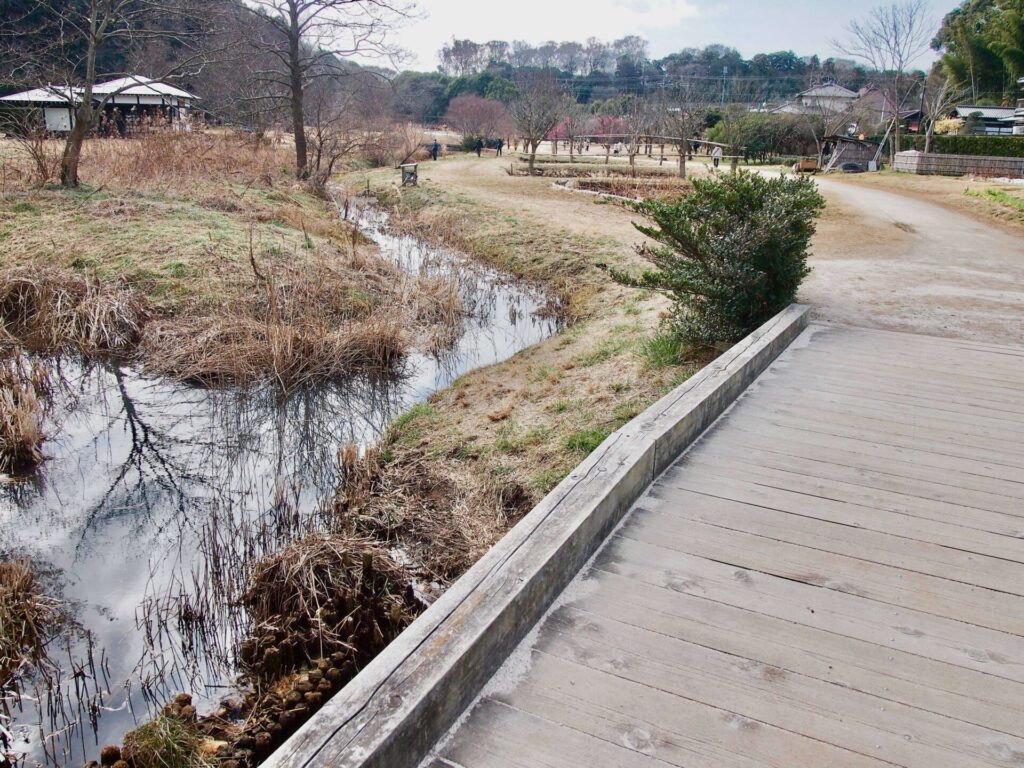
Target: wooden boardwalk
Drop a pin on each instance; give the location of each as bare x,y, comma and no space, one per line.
833,575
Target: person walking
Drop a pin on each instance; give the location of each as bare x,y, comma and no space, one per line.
434,149
479,147
501,143
716,155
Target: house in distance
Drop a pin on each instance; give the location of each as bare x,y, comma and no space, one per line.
124,103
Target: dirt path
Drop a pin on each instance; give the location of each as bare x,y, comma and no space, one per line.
885,260
881,259
533,198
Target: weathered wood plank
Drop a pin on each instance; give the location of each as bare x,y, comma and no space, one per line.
885,584
667,724
910,526
829,713
934,637
844,538
863,665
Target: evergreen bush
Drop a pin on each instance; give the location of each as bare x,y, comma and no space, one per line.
730,254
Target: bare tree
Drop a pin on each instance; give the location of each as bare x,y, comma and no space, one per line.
312,39
476,117
540,104
890,39
940,96
637,116
75,35
682,114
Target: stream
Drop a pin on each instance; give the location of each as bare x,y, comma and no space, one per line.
155,491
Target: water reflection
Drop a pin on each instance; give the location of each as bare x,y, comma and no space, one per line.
155,492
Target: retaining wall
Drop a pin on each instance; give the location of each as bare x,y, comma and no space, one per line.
958,165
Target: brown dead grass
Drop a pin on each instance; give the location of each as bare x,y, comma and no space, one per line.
27,617
201,256
24,403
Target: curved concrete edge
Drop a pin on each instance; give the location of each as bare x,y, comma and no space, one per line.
391,713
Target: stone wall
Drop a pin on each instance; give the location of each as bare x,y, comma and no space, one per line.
958,165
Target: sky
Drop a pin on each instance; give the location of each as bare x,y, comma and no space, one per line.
752,26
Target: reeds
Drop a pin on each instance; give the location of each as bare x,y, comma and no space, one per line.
24,402
27,617
50,309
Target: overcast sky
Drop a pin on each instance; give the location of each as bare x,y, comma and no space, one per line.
752,26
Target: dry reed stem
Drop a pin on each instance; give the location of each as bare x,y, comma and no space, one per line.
49,309
27,618
24,402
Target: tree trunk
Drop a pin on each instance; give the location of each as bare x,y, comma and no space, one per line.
607,153
73,144
296,95
533,154
682,162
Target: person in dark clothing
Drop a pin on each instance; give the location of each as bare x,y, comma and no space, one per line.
479,146
434,149
501,143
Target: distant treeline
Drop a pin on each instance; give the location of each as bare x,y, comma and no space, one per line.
596,71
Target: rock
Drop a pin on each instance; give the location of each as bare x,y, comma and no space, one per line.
110,754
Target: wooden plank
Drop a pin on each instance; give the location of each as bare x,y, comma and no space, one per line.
864,495
920,465
667,724
947,534
730,451
829,713
975,424
947,400
913,442
889,674
905,629
497,735
881,423
881,583
845,538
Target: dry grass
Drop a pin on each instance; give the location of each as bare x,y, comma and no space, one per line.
24,402
202,257
324,594
165,742
48,309
27,618
635,189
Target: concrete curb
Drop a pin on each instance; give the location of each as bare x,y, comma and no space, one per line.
391,713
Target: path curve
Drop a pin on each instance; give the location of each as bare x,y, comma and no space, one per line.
885,260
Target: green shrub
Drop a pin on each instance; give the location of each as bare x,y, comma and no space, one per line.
731,254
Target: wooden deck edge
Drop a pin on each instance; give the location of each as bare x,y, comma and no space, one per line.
391,713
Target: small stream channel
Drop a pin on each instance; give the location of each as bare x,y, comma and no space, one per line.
154,491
